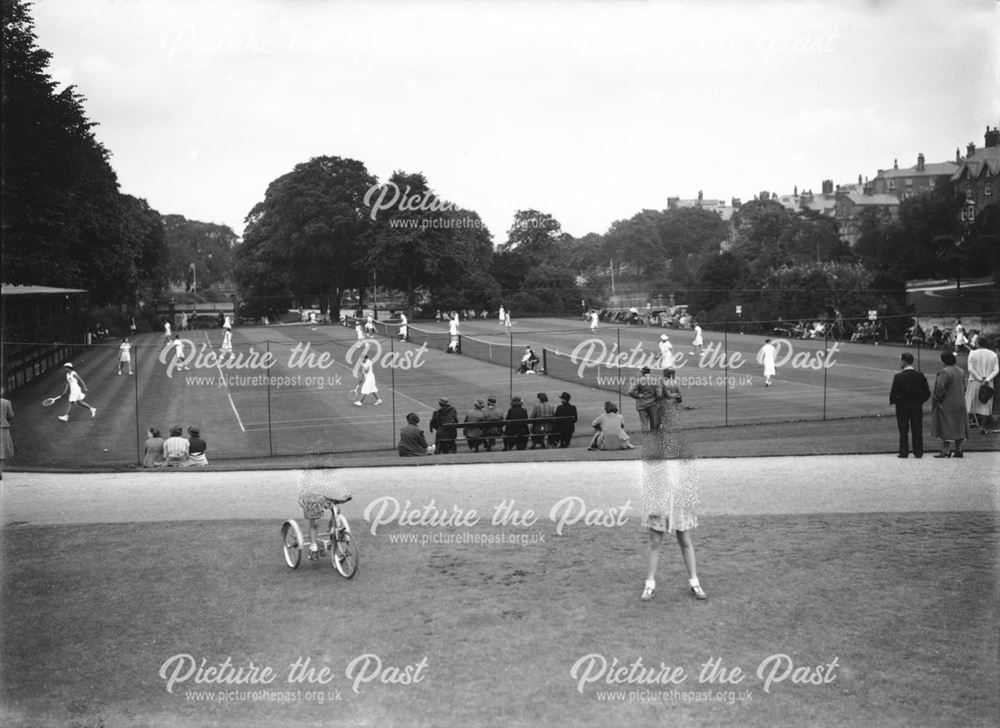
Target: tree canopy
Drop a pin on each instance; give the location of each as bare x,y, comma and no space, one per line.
65,223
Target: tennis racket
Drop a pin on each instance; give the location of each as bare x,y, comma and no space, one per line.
355,393
50,401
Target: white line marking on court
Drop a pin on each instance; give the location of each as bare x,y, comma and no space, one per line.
222,377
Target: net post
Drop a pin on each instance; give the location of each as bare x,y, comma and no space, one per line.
138,436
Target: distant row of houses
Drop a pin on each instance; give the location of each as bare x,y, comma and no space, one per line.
975,179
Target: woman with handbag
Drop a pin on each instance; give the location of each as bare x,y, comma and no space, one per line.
983,367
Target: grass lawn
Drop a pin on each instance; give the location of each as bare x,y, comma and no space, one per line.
492,632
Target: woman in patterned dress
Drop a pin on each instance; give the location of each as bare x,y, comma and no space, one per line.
669,489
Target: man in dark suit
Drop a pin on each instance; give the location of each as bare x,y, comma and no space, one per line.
909,392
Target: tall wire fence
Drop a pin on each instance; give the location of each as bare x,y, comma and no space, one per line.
291,390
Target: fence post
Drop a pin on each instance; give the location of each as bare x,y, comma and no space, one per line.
619,360
826,353
510,369
270,443
725,379
392,385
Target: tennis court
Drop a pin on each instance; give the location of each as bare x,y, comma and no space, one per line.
287,389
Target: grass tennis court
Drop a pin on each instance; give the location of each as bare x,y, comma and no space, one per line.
286,388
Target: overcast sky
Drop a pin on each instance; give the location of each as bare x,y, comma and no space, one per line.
589,111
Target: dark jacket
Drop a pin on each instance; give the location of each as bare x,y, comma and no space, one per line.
444,420
909,387
565,419
519,425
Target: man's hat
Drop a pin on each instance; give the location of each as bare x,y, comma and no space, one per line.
480,404
443,400
515,400
491,399
564,396
645,370
68,365
192,430
664,337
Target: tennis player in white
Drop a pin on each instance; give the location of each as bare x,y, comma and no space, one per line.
76,389
125,356
227,343
666,352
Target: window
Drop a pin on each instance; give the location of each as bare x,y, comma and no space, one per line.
909,181
988,190
932,182
892,184
968,191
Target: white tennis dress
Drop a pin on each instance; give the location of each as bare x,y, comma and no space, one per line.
368,386
765,357
75,391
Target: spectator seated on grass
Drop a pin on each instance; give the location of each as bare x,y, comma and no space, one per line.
176,448
411,439
153,449
610,431
196,447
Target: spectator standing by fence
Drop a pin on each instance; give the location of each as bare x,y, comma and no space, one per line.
983,370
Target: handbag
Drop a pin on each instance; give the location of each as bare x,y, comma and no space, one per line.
986,393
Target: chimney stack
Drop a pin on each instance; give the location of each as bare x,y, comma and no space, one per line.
827,186
895,164
958,156
992,137
920,162
971,149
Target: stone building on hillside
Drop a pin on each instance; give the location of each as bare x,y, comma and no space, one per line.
912,181
976,176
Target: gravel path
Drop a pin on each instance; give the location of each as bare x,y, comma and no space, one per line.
730,486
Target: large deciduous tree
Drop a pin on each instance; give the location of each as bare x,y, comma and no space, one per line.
305,238
423,243
208,245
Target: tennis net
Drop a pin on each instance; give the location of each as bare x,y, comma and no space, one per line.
495,352
579,370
